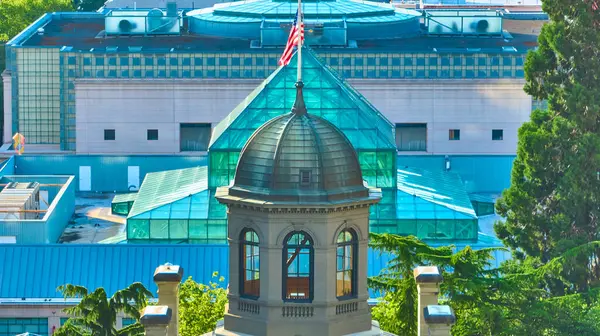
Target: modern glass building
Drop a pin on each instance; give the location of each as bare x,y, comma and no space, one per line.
359,40
179,205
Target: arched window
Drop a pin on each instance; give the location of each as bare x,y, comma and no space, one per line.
298,258
346,264
249,264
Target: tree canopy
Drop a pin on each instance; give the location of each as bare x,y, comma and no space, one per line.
16,15
201,306
96,313
510,300
553,203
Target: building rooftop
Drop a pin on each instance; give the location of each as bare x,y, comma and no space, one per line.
165,187
86,32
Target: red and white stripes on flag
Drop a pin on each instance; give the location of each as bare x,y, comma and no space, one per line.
296,35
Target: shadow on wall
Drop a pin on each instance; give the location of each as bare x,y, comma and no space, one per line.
99,173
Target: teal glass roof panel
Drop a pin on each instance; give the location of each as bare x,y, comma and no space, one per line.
481,198
162,188
400,15
230,19
271,9
326,96
442,188
123,198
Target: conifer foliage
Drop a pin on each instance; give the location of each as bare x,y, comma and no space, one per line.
553,203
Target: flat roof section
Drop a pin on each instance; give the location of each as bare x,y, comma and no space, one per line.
84,32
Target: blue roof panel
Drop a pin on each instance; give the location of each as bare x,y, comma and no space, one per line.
35,271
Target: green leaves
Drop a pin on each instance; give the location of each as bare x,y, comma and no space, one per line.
16,15
96,314
201,306
516,299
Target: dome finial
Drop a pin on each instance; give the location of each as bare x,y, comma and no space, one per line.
299,106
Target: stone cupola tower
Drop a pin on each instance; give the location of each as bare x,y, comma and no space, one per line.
298,213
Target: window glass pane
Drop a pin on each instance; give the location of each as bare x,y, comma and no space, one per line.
411,137
250,264
194,137
152,134
109,134
454,134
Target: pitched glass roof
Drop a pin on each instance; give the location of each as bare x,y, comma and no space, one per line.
166,187
326,96
444,190
122,198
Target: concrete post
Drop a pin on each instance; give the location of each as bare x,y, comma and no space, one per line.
7,87
439,319
428,280
168,277
155,320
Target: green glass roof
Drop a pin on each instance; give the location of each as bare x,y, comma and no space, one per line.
443,189
326,96
166,187
122,198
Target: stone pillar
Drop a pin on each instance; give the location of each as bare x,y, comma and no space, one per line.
168,277
7,80
428,280
156,320
439,319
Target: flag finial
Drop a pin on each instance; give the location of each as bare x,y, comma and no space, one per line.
299,107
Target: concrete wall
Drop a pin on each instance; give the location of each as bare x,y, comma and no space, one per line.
7,106
48,229
475,107
133,106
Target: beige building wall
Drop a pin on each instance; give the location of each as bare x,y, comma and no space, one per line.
269,314
129,106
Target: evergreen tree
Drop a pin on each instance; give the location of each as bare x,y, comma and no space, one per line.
510,300
553,203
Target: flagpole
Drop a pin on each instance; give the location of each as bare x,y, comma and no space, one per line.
300,23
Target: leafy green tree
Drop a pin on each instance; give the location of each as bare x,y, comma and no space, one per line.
16,15
511,300
200,306
96,314
553,202
88,5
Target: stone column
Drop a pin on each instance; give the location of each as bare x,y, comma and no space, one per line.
7,87
168,277
428,280
439,319
156,320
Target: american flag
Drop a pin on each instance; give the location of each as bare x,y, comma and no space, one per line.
296,33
